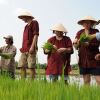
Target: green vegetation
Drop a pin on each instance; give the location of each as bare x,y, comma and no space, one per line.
41,90
84,38
38,89
43,66
48,46
75,67
6,55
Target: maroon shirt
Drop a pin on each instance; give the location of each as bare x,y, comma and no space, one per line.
87,53
28,35
56,60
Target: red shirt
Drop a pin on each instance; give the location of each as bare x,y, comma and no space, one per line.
56,60
87,53
28,35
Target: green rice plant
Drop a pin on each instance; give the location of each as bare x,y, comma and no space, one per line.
84,38
63,68
62,77
48,46
39,90
38,67
90,91
6,55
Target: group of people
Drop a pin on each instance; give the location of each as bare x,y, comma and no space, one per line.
58,59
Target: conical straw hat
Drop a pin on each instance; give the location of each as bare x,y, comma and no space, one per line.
87,18
59,27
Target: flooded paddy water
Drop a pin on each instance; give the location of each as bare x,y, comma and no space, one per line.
77,79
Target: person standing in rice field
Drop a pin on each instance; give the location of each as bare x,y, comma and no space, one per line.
29,45
87,51
59,57
7,65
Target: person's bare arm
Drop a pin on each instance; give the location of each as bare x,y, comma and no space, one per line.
76,43
64,50
97,57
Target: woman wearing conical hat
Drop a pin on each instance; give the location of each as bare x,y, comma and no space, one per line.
60,57
87,50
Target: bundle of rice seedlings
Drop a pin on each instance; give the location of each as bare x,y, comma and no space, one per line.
84,38
48,46
5,55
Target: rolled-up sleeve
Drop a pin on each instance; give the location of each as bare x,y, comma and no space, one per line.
36,28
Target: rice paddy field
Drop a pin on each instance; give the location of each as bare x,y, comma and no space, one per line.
28,89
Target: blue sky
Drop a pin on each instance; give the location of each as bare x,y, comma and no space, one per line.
48,13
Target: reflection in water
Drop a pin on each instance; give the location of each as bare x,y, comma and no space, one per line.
72,79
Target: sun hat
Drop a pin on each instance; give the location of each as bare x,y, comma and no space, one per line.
87,18
9,37
25,13
59,27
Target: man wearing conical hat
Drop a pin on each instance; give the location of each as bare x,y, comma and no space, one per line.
58,60
87,50
29,45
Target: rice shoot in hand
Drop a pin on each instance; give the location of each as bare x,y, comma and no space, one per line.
84,38
48,46
5,55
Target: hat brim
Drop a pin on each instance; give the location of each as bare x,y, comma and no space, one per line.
59,31
5,38
23,16
82,21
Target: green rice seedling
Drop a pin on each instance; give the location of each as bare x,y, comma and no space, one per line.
84,38
39,90
63,68
6,55
38,67
48,46
62,77
89,92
